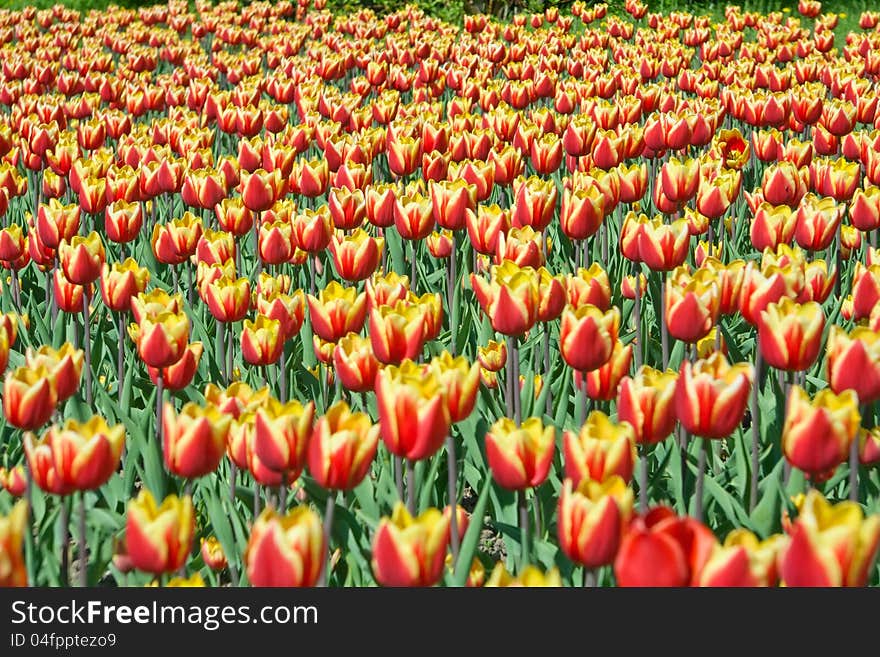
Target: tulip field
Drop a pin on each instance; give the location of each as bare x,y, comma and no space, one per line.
579,298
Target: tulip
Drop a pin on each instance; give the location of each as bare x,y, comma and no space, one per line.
460,380
818,284
161,340
57,222
275,242
763,286
342,447
413,413
864,209
661,246
12,243
212,554
337,311
356,255
410,551
215,247
195,439
831,545
76,456
582,212
451,201
551,296
645,401
589,286
63,366
534,203
485,226
531,576
679,179
158,538
853,362
123,221
817,435
784,184
865,289
82,258
354,363
601,449
661,549
397,332
744,560
587,336
602,383
691,310
151,304
520,457
592,520
818,220
413,216
772,226
174,242
281,435
228,298
179,375
122,281
29,397
14,481
285,550
711,395
440,245
510,298
790,334
13,569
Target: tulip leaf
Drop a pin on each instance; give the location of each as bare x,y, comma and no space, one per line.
766,514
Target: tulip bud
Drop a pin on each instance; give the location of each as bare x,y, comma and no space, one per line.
853,362
212,554
13,569
63,366
510,298
744,560
285,550
531,576
158,539
410,551
592,520
711,396
337,311
282,433
601,449
194,439
587,336
790,334
29,397
161,340
342,447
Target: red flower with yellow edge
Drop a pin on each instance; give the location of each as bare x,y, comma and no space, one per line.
510,298
765,285
82,258
732,148
451,201
852,362
534,202
355,363
587,336
161,340
831,545
356,255
151,304
179,375
485,226
286,550
772,225
818,220
347,207
715,194
551,295
818,284
337,311
645,401
235,399
836,178
589,286
342,447
711,395
123,221
864,209
582,212
461,381
602,383
260,189
546,153
288,309
662,549
262,341
413,216
784,184
174,242
13,569
381,199
57,222
386,289
600,449
275,242
63,366
212,554
493,356
522,246
233,216
194,439
818,433
680,179
121,281
203,188
744,560
281,435
413,412
14,480
158,538
215,247
592,519
397,332
440,244
29,397
228,298
410,551
790,334
312,230
865,290
76,456
691,308
662,246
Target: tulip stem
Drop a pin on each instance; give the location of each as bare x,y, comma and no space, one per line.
637,312
410,487
50,294
524,529
854,463
229,339
664,331
450,293
65,540
328,532
83,555
756,428
701,475
257,491
398,476
414,269
120,358
159,394
589,578
312,281
451,486
548,407
282,493
87,347
643,478
514,387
